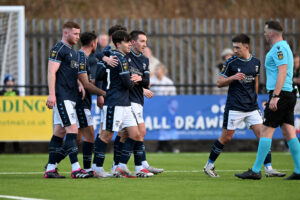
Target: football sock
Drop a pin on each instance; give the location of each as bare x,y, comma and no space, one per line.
116,147
138,153
263,149
145,164
119,152
127,150
50,167
144,153
268,160
54,146
138,167
215,151
87,151
294,147
99,155
75,166
71,147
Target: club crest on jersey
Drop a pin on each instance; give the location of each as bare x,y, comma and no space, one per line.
144,66
129,60
53,53
280,55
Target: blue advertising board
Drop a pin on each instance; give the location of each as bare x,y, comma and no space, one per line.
188,117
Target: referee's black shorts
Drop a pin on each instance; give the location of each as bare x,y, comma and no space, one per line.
284,112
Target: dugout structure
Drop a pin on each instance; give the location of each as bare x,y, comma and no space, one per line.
12,44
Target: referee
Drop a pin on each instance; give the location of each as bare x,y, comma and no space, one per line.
279,110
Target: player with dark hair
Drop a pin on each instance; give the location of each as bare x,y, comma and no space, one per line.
241,73
138,67
279,110
83,109
63,94
117,109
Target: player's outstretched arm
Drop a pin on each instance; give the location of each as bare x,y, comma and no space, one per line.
89,86
52,69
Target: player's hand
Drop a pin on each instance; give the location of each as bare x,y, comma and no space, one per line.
51,101
273,103
100,102
148,93
239,76
81,90
112,61
135,78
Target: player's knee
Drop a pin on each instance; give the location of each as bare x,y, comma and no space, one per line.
143,133
225,139
123,138
106,136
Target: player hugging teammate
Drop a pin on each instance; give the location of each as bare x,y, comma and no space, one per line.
123,73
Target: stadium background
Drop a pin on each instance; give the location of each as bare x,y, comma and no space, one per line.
44,20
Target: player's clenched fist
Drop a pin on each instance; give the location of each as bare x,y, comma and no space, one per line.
239,76
51,101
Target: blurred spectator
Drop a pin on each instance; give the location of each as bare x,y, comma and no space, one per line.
296,75
226,54
103,41
160,78
153,61
8,90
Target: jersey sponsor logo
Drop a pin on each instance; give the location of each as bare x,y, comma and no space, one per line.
74,64
53,54
280,55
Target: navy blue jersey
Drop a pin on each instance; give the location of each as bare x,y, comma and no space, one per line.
138,64
107,51
242,94
116,81
66,86
84,67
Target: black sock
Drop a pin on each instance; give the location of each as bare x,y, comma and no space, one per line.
119,152
87,151
71,147
138,153
127,150
99,155
116,147
54,147
215,151
144,153
268,158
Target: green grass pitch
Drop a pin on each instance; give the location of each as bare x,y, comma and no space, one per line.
22,175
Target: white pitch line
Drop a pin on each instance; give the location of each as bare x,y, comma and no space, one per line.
168,171
18,198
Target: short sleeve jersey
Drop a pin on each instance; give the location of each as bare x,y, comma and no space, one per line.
66,86
84,67
116,93
241,94
279,54
138,64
